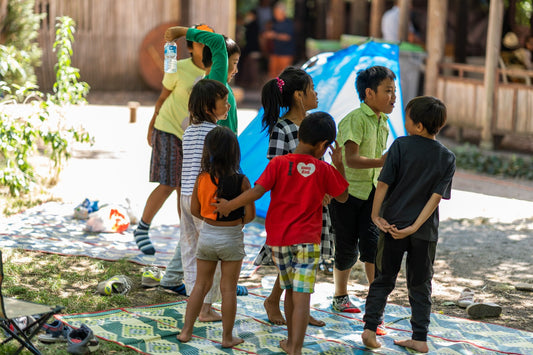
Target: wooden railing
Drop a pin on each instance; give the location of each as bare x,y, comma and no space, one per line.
461,87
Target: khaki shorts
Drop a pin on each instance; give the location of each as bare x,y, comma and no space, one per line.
221,243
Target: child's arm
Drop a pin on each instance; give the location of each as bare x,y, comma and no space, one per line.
356,161
426,212
224,207
173,33
336,160
379,196
162,97
195,203
249,209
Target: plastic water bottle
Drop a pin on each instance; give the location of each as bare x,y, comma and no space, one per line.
171,57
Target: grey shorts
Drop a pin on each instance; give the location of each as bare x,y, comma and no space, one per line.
221,243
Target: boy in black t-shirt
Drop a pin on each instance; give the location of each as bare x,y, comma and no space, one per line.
417,174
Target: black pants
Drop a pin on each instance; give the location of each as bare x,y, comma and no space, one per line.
420,258
355,233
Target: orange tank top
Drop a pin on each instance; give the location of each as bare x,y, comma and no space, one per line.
207,193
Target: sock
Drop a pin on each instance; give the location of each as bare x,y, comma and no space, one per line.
142,239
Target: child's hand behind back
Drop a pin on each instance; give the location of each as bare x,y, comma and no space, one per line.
221,207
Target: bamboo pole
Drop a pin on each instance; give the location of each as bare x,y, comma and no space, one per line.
491,66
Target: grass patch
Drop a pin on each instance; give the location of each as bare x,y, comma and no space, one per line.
71,281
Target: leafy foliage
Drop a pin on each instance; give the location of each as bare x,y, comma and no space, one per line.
41,125
19,49
470,157
67,88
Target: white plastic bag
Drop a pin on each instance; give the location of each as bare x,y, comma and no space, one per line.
110,219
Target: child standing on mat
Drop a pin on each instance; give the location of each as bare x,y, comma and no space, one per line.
363,134
293,91
165,132
221,237
208,104
222,67
223,53
417,174
298,182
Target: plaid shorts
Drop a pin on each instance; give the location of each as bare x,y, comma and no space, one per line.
297,265
167,155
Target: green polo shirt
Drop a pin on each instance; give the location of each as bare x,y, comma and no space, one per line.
364,128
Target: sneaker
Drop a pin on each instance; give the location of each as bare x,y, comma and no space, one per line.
82,341
381,330
482,310
177,290
343,304
466,298
151,276
55,332
117,284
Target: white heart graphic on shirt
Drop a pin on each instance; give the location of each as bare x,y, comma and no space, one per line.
306,169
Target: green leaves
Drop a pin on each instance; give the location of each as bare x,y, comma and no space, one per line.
40,126
470,157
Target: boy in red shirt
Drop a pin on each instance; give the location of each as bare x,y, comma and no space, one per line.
298,183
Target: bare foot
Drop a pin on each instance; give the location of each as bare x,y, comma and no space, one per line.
369,339
183,337
316,322
210,316
273,312
234,341
284,346
417,345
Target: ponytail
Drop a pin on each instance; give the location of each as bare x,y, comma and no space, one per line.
271,100
279,93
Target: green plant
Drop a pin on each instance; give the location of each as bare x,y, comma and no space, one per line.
470,157
67,88
19,50
42,125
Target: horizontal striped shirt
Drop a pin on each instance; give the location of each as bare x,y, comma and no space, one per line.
193,146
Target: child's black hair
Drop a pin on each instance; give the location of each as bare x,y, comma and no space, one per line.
371,78
231,46
203,99
429,111
279,92
221,156
317,127
200,26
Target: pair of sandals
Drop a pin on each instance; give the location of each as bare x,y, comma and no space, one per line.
477,310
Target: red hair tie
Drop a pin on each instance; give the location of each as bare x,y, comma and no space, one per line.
280,83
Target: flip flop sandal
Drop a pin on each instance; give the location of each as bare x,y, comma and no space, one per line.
466,298
482,310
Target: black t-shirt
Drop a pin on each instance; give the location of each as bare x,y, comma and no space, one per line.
229,188
415,168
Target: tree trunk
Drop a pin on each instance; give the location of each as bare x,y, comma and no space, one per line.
376,12
435,43
403,23
491,66
358,24
335,20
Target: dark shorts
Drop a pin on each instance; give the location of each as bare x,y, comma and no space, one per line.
167,156
355,233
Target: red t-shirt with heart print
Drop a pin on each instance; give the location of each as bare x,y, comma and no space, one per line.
297,185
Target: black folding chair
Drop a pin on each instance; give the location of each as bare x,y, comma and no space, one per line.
12,308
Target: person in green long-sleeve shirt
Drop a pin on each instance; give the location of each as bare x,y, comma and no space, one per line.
222,54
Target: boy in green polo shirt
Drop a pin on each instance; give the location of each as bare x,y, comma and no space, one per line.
363,133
